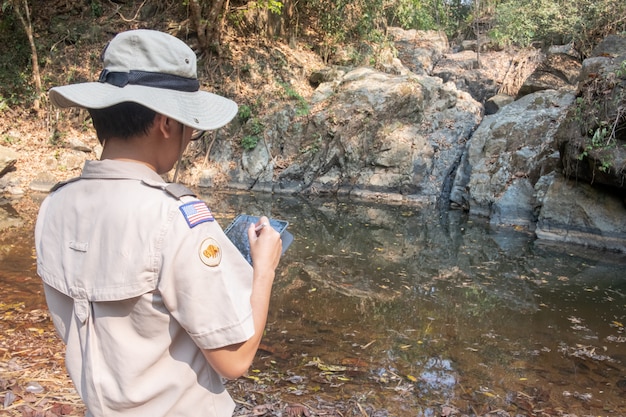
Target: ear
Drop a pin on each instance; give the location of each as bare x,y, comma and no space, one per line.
165,126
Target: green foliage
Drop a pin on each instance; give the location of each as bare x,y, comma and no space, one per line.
521,22
244,113
15,60
249,142
15,76
253,132
313,147
302,108
96,8
583,22
621,71
3,104
600,111
353,21
426,15
252,126
274,6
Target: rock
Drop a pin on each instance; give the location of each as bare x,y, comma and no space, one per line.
556,71
563,49
611,45
326,75
258,164
14,190
578,213
44,181
419,50
463,70
9,219
507,155
377,134
495,103
8,158
78,145
72,160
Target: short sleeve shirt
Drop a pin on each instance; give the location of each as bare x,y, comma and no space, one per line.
138,281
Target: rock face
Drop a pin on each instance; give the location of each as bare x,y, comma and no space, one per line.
557,71
578,213
419,50
508,155
369,134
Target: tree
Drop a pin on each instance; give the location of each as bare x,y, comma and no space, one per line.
209,29
582,22
22,11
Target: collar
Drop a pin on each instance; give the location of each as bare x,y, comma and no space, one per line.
112,169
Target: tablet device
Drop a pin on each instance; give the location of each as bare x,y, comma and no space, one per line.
237,232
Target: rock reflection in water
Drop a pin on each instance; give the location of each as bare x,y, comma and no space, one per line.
448,309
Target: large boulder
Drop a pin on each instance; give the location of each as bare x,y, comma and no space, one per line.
481,80
508,155
578,213
419,50
382,135
556,71
368,134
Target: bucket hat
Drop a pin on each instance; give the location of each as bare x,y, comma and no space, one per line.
156,70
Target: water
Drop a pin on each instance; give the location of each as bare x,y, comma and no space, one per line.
419,313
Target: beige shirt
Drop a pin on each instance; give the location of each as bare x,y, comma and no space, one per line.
135,289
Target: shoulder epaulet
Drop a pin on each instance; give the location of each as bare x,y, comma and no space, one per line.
62,183
194,211
176,190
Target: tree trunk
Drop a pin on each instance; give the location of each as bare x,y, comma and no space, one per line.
209,32
477,17
195,9
213,25
28,28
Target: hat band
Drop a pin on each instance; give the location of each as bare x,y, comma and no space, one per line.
149,79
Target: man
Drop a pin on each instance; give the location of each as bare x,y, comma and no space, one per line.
153,301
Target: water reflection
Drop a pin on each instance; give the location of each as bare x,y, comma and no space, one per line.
422,309
458,311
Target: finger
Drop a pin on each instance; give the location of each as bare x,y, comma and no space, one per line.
252,233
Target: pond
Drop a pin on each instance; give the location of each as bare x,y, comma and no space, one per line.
405,311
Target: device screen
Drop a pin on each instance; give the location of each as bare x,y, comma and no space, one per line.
237,232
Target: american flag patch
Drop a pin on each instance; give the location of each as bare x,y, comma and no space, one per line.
196,212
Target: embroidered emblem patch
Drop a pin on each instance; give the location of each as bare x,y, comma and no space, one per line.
196,212
210,252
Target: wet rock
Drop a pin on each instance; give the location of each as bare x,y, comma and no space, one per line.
577,213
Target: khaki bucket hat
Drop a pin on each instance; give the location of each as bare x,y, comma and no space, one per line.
156,70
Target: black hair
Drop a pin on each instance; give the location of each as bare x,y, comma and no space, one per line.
123,120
